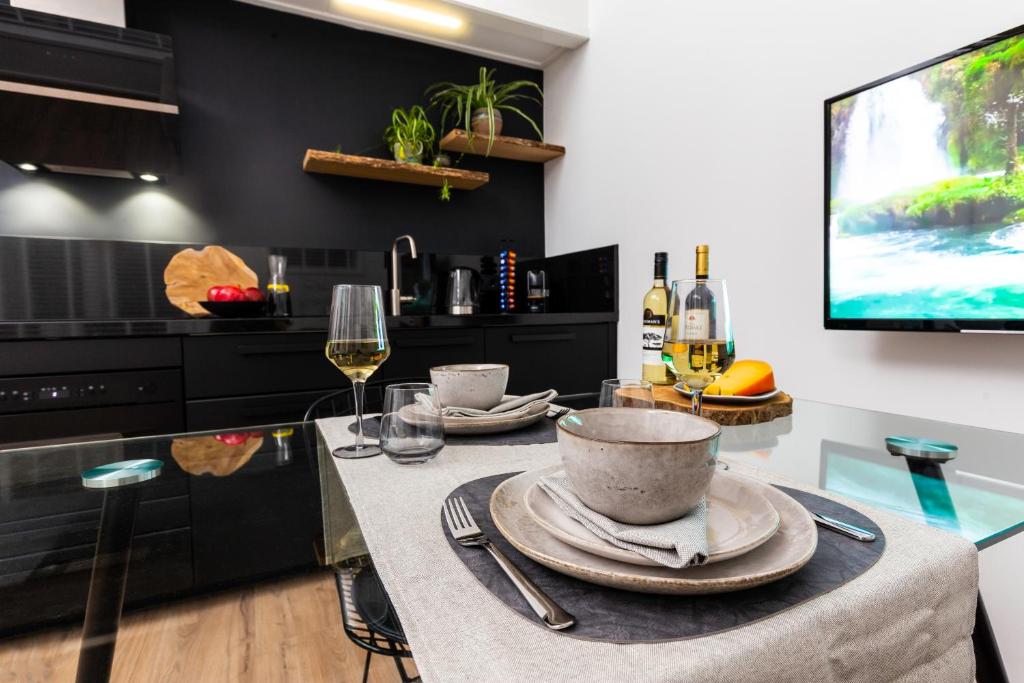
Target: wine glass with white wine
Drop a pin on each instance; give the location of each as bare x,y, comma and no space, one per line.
698,338
357,344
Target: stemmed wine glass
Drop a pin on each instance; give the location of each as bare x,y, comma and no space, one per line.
698,344
357,343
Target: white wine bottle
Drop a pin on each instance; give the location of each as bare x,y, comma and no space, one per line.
699,322
655,308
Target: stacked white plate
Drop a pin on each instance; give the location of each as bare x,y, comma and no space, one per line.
757,534
482,424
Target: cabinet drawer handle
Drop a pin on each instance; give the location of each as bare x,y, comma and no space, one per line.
444,341
526,338
275,349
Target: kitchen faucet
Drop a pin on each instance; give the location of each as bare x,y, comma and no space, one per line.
395,293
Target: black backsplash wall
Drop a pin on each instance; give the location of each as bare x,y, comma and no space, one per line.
258,87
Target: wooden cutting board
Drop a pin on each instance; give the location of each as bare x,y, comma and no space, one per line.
780,405
190,273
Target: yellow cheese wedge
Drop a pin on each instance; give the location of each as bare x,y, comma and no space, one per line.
744,378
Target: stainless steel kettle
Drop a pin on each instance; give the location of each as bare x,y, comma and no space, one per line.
463,292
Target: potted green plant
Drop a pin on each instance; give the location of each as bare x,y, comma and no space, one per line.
478,106
409,134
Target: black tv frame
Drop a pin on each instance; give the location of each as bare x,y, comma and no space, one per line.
904,324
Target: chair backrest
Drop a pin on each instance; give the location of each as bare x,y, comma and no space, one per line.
340,402
579,401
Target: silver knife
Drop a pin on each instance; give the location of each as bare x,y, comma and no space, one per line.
843,528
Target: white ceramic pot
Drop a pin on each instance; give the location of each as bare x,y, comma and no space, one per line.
470,385
638,465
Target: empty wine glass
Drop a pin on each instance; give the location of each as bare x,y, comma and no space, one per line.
626,393
698,344
411,428
357,344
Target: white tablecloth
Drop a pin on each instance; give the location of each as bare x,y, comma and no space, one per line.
908,618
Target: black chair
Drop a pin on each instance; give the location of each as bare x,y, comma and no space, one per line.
579,401
340,402
367,615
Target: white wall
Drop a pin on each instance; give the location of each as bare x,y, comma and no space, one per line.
689,122
702,122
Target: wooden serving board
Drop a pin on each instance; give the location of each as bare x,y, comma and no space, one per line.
190,273
780,405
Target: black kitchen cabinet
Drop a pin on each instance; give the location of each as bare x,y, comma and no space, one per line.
48,530
291,374
264,521
160,567
245,411
569,358
199,531
261,364
51,356
252,364
414,352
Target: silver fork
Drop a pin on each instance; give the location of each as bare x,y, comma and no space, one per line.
467,533
557,411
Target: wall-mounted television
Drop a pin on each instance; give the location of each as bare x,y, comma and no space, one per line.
924,195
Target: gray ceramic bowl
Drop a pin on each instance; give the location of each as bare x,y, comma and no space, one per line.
470,385
638,465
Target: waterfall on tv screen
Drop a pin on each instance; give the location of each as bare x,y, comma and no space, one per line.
894,142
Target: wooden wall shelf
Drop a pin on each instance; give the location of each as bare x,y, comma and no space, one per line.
319,161
519,149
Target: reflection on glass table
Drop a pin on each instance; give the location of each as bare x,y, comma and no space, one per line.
976,507
227,507
979,495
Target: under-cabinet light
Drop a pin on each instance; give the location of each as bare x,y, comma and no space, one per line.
405,11
149,177
28,167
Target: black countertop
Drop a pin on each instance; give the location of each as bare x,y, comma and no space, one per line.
69,329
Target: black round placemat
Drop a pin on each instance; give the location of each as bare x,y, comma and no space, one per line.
608,614
541,431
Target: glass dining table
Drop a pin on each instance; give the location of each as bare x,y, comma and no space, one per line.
91,530
978,495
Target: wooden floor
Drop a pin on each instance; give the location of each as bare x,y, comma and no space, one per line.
288,630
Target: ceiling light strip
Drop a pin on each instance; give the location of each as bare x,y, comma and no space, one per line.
404,11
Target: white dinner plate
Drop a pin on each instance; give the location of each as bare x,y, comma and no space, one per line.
789,549
718,398
740,518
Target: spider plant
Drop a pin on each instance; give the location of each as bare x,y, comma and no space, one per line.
462,101
409,134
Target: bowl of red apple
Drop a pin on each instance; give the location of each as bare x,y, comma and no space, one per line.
232,301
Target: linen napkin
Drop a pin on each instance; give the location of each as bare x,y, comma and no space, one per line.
679,543
511,407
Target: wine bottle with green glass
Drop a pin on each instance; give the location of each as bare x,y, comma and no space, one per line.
699,345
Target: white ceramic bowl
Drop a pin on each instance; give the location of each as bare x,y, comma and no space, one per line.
470,385
638,465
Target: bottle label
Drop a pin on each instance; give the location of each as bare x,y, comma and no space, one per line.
654,337
697,324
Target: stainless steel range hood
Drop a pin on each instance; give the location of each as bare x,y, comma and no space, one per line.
82,97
